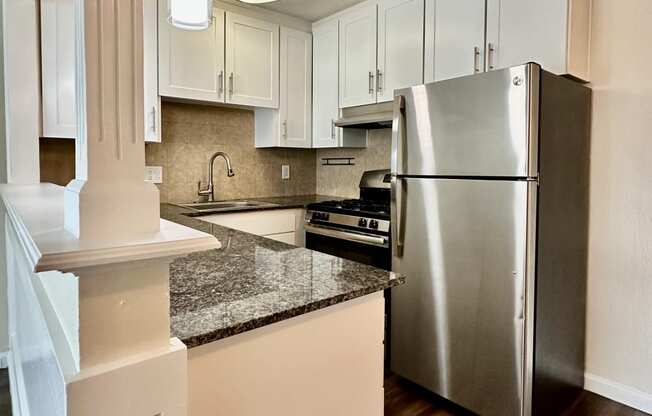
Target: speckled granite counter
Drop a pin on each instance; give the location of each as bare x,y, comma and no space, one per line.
254,281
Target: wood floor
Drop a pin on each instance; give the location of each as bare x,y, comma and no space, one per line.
403,398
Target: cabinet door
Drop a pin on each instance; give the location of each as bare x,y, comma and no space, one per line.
325,67
358,57
252,61
295,109
58,68
455,38
400,46
520,31
152,100
191,63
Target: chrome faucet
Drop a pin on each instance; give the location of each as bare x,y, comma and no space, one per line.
209,191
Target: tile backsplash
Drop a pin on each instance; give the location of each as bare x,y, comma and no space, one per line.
192,133
344,180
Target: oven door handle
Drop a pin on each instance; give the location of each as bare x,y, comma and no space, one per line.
344,235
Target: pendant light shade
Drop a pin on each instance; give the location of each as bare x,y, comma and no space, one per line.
190,14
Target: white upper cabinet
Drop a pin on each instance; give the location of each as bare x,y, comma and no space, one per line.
152,100
455,38
400,46
252,61
552,33
295,109
191,63
58,68
358,56
325,105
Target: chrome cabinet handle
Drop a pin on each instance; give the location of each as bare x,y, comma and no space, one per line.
491,48
231,88
397,187
333,129
476,59
220,82
154,119
371,82
285,129
379,81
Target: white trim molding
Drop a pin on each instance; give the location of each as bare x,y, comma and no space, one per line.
619,392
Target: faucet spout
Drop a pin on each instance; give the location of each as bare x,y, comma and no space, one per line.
209,191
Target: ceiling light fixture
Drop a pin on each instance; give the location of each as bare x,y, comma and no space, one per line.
190,14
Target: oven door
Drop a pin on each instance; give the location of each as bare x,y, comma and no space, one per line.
364,248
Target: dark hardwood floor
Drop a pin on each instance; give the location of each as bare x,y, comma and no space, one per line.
5,397
403,398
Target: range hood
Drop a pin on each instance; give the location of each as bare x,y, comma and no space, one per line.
367,117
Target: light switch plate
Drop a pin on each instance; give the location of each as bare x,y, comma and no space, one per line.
154,174
285,172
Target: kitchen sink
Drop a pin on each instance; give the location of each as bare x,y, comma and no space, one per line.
204,207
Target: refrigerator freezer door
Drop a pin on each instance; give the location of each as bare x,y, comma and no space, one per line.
484,125
457,325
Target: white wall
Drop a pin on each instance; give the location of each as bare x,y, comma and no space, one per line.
619,332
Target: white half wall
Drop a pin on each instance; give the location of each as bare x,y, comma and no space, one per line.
619,319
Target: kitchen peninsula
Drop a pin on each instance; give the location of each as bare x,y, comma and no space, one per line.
276,329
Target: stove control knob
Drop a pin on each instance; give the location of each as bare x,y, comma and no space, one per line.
362,222
325,216
373,224
315,215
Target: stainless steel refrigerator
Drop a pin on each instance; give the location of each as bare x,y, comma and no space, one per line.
489,223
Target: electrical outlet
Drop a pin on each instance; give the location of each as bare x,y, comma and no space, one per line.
154,174
285,172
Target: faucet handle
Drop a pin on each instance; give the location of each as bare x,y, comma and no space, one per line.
202,192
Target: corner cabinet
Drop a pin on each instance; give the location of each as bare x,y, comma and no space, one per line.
58,68
381,49
325,84
291,124
58,72
479,36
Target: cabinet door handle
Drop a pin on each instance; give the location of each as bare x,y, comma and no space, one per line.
476,59
371,82
285,129
231,84
220,82
154,119
491,48
333,129
379,81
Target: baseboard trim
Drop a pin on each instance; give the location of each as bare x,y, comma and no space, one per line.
19,405
621,393
4,359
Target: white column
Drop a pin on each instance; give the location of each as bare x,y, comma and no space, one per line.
109,198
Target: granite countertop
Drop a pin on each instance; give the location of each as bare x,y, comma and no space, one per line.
253,281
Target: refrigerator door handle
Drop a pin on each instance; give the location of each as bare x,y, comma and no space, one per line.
397,199
398,135
397,215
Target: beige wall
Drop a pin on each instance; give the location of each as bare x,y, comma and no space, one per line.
343,180
191,133
619,333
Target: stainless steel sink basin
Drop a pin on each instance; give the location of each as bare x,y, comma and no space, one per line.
203,207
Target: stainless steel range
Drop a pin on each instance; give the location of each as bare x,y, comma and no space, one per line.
355,229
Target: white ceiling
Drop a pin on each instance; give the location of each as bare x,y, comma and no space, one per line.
310,10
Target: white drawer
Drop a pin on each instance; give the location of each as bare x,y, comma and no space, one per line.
264,222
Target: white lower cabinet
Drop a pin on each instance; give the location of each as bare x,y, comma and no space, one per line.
291,124
277,224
